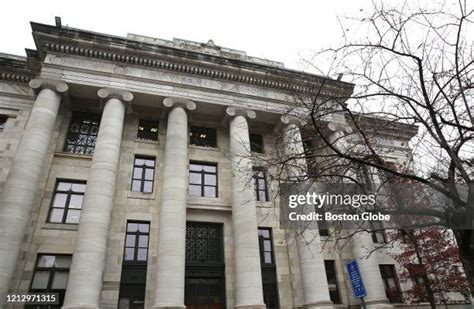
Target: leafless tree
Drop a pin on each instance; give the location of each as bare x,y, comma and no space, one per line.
412,70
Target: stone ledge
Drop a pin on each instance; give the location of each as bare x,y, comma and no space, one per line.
60,226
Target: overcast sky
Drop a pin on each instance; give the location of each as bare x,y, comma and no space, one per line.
276,30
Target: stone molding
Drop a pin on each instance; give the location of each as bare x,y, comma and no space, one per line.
179,102
14,77
56,85
283,84
236,111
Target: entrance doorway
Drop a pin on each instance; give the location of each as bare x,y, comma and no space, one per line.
205,277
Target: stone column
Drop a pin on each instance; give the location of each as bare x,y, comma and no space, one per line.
248,276
23,180
313,272
85,277
362,244
169,291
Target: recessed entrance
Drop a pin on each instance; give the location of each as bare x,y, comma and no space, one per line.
205,277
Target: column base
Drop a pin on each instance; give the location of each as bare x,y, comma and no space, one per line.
250,306
80,306
378,303
319,305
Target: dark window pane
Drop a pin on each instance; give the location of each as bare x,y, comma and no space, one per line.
63,261
205,137
60,280
82,133
41,279
148,130
3,120
256,142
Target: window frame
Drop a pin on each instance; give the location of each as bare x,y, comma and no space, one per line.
256,177
259,146
136,246
52,272
203,174
398,298
377,231
66,207
201,130
148,135
333,271
142,178
79,116
268,270
3,121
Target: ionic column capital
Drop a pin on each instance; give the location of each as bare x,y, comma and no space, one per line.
109,93
290,119
338,127
244,112
186,104
54,84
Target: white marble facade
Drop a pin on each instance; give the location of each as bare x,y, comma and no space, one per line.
178,83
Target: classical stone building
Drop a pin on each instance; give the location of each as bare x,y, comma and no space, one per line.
123,179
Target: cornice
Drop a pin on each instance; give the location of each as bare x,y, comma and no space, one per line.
185,68
65,40
14,69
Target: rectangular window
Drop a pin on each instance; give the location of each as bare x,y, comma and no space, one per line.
51,275
67,201
205,137
134,267
260,179
3,120
390,280
256,143
147,130
417,275
331,274
268,267
136,243
143,174
82,133
203,179
378,233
